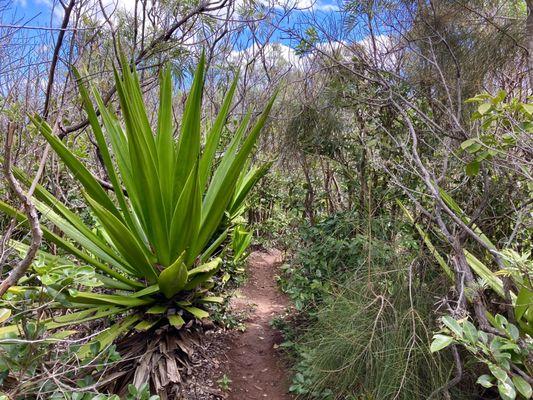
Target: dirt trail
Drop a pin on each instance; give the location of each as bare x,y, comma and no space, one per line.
254,366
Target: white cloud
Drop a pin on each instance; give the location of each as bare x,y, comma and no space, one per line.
383,49
302,5
297,5
270,55
327,7
127,6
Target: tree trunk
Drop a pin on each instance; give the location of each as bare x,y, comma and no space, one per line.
529,42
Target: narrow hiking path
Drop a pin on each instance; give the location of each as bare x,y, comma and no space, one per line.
254,366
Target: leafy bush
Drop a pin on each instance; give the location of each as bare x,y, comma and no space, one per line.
505,355
328,251
371,340
143,393
21,366
362,332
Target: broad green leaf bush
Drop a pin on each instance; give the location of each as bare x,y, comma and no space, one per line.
503,123
24,358
519,269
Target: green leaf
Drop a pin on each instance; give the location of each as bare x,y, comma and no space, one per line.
125,242
486,274
213,138
115,299
165,141
186,219
506,390
102,145
61,335
207,267
120,147
513,332
107,337
528,108
69,319
484,108
176,321
197,312
81,173
472,168
145,325
147,291
80,317
498,372
199,275
522,386
211,299
224,167
427,241
453,325
247,184
470,332
5,313
241,241
144,179
440,342
450,202
157,309
81,234
524,300
65,245
213,246
485,381
111,283
467,143
173,279
222,185
189,141
474,148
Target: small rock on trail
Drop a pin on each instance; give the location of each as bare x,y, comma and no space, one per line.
254,366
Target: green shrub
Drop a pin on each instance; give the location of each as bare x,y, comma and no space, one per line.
328,251
370,341
366,321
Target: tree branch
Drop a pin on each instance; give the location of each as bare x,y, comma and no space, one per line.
55,58
31,213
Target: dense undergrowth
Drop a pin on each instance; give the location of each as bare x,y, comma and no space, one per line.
365,318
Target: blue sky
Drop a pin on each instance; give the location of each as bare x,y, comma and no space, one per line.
46,13
32,12
40,11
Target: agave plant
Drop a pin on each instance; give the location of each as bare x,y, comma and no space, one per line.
170,209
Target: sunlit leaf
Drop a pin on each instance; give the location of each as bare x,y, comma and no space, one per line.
440,342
